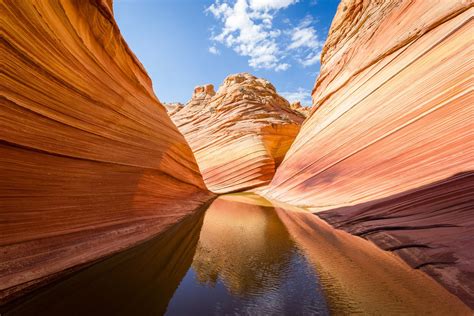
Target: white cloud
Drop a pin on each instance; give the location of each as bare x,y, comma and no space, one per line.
303,37
271,4
214,50
305,40
282,67
302,95
311,59
247,28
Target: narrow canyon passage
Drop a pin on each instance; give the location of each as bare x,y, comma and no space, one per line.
245,255
115,202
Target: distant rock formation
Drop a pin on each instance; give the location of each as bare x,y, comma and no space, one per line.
174,107
240,134
90,162
392,117
298,107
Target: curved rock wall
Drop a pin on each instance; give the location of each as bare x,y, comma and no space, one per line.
240,134
388,150
89,160
392,106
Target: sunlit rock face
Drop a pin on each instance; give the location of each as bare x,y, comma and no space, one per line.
90,162
172,108
240,134
389,143
392,105
299,108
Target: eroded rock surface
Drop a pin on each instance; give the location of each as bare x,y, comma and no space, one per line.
432,228
393,109
240,134
302,109
90,162
172,108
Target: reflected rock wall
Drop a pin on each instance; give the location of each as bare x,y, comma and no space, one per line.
431,228
138,281
238,240
359,278
240,134
90,162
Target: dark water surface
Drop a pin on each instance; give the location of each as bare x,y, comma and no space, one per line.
244,256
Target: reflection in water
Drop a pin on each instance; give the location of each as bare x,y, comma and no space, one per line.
359,278
249,257
246,263
139,281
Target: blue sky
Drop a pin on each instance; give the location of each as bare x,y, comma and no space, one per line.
185,43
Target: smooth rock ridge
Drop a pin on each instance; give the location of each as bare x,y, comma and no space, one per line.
240,134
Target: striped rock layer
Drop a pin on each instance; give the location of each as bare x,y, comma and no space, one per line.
240,134
391,130
90,162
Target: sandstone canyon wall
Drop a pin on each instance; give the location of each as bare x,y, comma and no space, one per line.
389,145
90,162
240,134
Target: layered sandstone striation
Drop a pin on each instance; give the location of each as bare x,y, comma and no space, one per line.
90,162
391,120
240,134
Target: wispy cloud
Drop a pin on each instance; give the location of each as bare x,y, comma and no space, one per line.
213,50
305,41
248,28
301,94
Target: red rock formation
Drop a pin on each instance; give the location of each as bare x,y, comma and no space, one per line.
392,109
302,109
392,113
173,108
240,134
90,162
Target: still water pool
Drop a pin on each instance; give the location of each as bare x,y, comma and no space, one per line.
245,256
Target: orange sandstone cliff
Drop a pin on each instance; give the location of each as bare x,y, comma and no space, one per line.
90,162
388,148
240,134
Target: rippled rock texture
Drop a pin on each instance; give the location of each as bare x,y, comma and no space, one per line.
432,228
392,117
240,134
90,162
